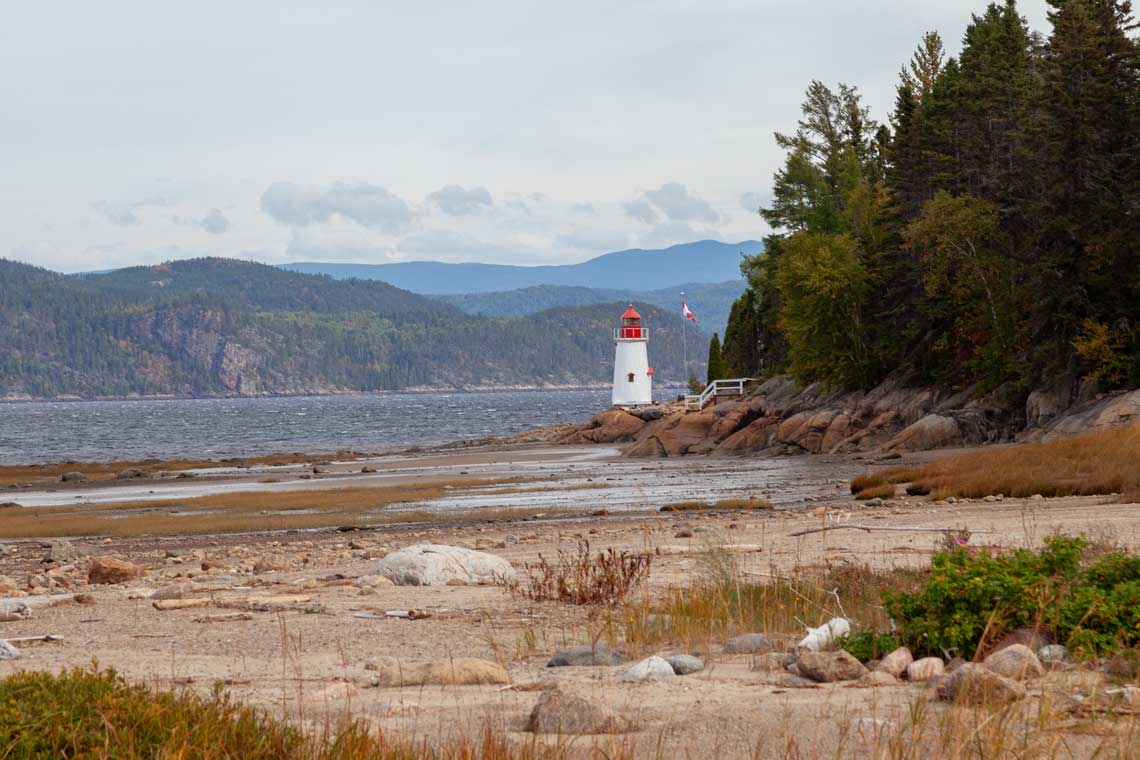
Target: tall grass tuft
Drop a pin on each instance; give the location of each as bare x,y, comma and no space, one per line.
581,577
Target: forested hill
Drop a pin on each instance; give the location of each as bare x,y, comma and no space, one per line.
985,234
219,326
709,301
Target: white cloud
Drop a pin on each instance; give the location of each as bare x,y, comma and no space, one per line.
457,201
752,202
214,222
641,210
676,202
368,205
124,214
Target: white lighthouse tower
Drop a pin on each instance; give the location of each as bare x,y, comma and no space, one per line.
633,377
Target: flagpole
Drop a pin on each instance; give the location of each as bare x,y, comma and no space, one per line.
684,347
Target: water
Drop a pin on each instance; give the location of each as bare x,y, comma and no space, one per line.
55,431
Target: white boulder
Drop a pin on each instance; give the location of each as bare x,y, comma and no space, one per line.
436,564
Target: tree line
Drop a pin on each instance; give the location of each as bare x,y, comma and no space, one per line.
987,235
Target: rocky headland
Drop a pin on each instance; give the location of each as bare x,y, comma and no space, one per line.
776,417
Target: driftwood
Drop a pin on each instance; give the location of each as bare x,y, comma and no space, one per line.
46,639
181,604
869,528
226,618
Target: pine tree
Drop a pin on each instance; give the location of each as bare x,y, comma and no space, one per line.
716,366
741,342
925,66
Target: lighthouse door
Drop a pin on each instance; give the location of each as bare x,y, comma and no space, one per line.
630,376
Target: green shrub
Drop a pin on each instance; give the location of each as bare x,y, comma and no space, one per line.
969,596
867,645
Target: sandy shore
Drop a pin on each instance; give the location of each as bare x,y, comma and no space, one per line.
297,659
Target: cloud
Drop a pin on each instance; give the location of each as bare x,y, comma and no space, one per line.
675,201
450,245
640,210
124,214
595,241
457,201
751,202
586,209
214,222
368,205
325,244
674,233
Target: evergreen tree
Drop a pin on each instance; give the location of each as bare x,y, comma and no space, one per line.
717,370
741,342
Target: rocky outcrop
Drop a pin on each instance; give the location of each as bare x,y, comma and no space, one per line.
895,416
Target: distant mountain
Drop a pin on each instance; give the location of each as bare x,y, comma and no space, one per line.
710,302
224,327
635,269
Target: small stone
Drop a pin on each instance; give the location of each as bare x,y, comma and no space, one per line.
683,533
599,654
875,502
62,551
511,538
685,664
366,469
828,667
975,684
925,669
748,643
73,477
173,591
1016,661
896,662
650,669
130,473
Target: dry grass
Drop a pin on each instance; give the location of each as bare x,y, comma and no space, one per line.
884,491
50,473
1102,462
585,578
723,602
721,505
241,511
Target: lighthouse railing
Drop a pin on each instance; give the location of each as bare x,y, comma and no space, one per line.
642,333
732,387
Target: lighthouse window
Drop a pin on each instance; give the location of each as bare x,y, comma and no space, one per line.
630,376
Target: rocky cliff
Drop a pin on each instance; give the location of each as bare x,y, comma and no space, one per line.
778,418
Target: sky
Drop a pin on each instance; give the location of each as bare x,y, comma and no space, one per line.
376,131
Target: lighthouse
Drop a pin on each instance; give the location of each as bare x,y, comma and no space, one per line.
633,377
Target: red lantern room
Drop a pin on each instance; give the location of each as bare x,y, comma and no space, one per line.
631,324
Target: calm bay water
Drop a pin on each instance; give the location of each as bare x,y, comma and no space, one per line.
54,431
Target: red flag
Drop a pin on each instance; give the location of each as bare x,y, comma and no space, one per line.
685,310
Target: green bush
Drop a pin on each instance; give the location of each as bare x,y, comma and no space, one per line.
1092,608
867,645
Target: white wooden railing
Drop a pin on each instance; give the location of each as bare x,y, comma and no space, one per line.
733,387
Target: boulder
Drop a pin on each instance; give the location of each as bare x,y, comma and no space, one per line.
748,643
875,679
436,564
933,431
611,426
586,656
112,570
62,551
1016,661
896,662
925,669
558,712
827,667
650,669
685,664
824,636
12,610
457,671
73,477
131,473
974,684
1125,664
1052,655
772,662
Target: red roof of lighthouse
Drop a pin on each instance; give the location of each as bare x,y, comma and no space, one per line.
631,313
